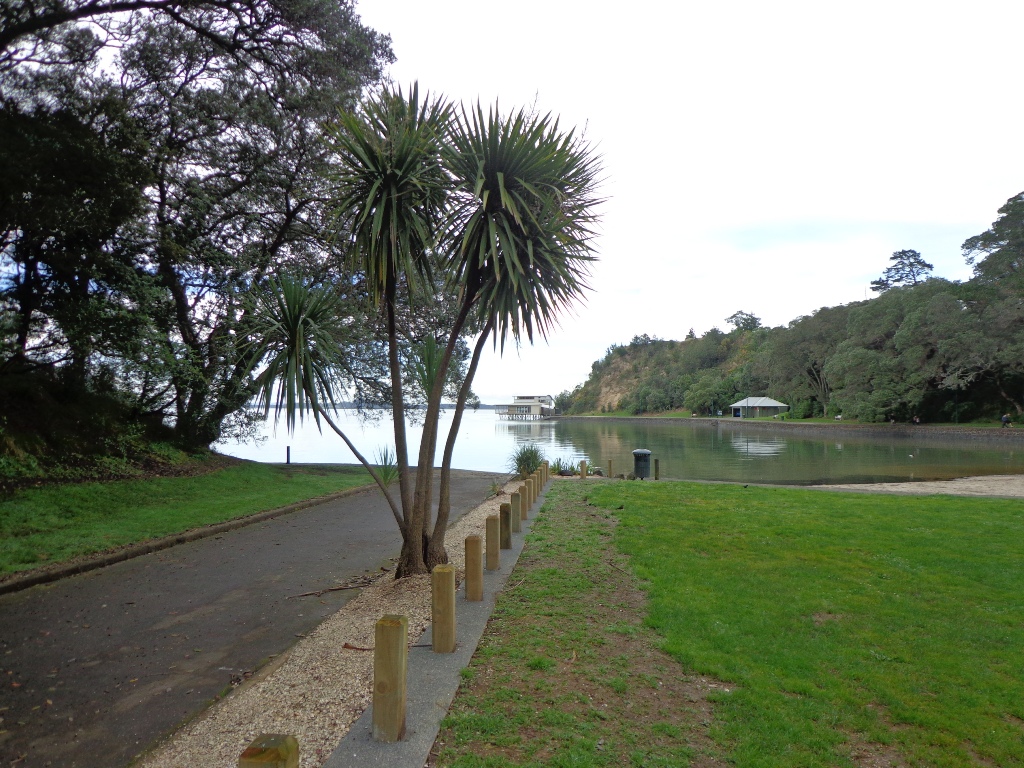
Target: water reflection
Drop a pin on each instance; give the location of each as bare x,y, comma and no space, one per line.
752,446
683,450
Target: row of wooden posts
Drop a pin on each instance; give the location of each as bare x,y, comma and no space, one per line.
391,643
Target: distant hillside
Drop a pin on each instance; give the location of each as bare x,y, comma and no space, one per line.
938,350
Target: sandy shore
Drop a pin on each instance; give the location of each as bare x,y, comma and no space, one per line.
987,485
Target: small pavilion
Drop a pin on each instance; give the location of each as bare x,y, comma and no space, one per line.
755,407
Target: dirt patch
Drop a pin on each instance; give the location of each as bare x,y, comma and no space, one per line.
822,618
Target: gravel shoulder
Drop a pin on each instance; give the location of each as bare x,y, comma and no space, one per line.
323,684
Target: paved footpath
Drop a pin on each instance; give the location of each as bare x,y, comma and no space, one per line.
96,667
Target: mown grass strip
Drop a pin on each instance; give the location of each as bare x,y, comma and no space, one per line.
566,674
848,625
53,524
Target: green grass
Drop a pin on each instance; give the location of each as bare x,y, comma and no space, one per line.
828,629
566,674
51,524
838,620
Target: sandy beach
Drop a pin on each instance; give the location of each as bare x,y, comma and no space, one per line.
988,485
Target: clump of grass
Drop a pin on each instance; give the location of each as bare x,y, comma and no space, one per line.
386,466
525,460
558,466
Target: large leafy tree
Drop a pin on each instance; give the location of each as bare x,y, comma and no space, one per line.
996,295
906,268
72,182
228,105
795,358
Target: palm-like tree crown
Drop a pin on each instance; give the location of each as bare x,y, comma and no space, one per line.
297,328
523,219
391,185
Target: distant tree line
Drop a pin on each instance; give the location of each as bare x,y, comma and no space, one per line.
927,347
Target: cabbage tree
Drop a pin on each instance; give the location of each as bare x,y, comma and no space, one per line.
520,238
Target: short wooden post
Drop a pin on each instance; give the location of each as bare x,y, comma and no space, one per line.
505,510
516,516
474,568
493,543
583,470
610,468
442,608
287,454
524,501
530,495
271,750
390,667
657,469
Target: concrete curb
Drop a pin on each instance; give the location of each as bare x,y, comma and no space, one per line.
103,559
433,678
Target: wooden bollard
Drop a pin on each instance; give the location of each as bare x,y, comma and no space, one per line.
516,516
524,501
583,470
271,750
442,608
493,542
390,668
657,469
474,568
505,510
610,468
517,509
531,495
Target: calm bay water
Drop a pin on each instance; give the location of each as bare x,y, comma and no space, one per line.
685,450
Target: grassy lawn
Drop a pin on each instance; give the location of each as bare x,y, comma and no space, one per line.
51,524
566,674
827,629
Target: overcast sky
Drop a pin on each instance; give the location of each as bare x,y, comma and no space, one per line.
765,157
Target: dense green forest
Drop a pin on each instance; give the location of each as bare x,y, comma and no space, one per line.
924,346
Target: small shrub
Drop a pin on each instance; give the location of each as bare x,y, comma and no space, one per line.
386,467
525,460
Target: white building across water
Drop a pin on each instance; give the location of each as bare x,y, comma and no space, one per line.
754,407
527,408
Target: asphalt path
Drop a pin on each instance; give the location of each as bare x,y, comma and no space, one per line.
97,667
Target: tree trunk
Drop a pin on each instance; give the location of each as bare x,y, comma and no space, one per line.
436,553
410,561
428,444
